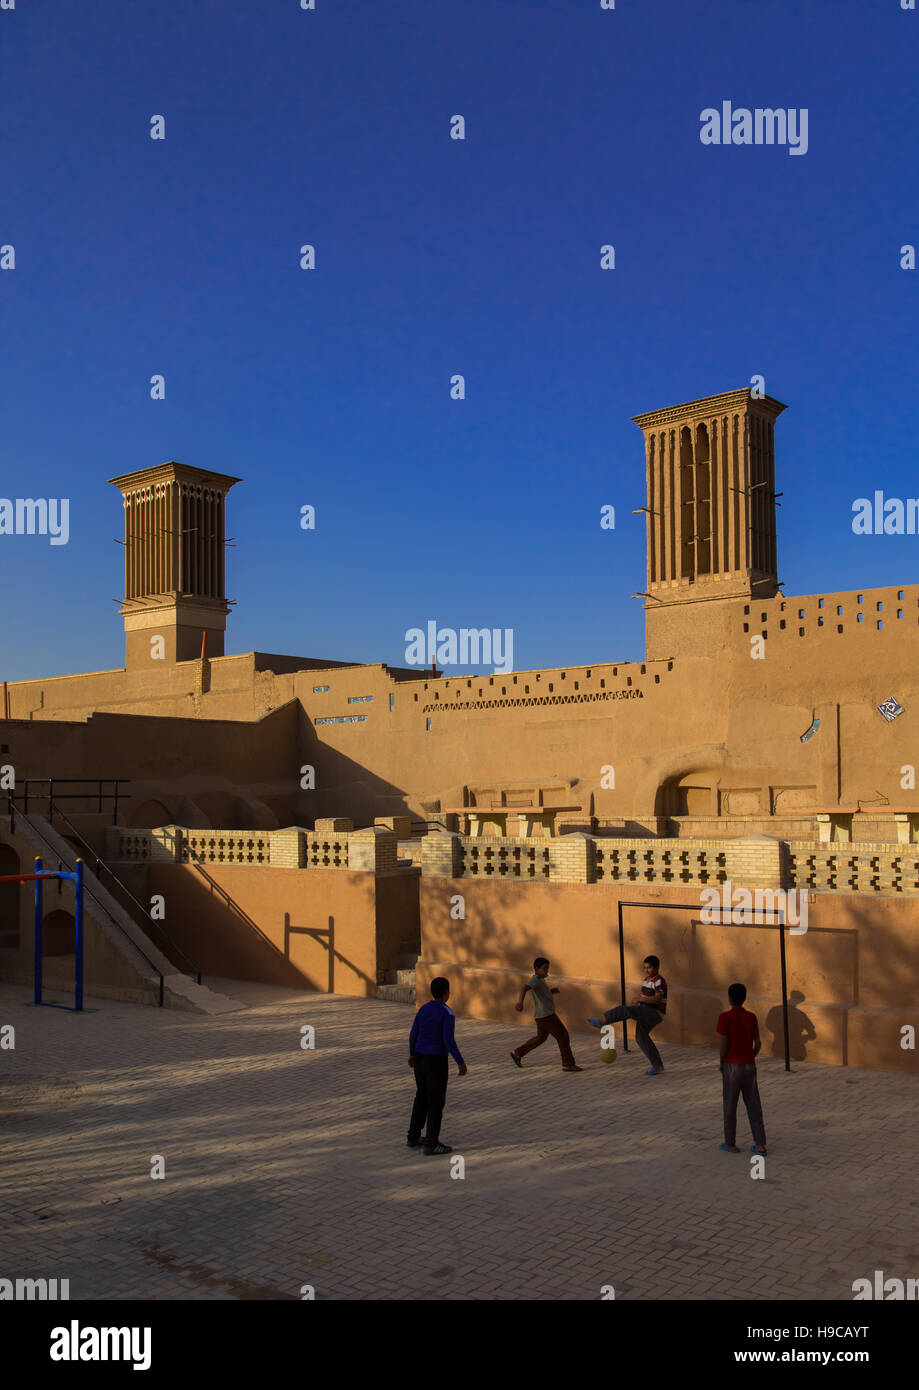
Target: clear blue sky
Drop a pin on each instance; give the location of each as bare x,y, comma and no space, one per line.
436,257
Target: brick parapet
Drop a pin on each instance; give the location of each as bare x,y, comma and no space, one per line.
573,859
373,850
288,848
441,855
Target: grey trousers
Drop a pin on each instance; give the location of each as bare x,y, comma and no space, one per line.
739,1079
645,1019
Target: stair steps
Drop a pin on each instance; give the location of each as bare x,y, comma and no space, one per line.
126,936
398,983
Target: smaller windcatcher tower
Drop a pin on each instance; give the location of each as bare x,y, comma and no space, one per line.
175,563
711,519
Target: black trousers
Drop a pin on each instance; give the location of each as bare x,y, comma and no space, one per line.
430,1096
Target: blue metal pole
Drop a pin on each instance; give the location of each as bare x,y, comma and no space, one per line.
78,918
37,933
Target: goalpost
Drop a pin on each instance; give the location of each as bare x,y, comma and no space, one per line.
694,907
38,878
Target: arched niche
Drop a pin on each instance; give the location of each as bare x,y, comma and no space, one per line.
10,898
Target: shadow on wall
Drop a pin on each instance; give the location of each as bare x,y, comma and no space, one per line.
221,937
687,793
148,814
344,787
238,948
325,936
715,958
227,810
847,967
834,969
222,809
495,993
800,1029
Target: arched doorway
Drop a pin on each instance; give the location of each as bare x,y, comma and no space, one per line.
149,814
10,899
59,933
687,795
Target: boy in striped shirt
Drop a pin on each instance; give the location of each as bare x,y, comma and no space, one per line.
647,1011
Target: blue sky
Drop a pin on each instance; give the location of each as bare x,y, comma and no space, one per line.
435,257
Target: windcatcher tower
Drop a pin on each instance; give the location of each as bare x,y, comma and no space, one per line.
710,514
175,563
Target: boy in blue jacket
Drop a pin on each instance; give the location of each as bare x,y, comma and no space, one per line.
430,1043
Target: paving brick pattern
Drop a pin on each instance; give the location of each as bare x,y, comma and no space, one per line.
287,1167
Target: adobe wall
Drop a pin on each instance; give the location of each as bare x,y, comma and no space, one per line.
170,761
165,689
283,903
842,973
705,715
713,716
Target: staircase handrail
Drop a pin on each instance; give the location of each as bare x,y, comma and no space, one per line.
145,913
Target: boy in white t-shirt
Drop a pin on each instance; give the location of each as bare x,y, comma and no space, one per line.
547,1020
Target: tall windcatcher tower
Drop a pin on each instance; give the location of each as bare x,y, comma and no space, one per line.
175,563
711,528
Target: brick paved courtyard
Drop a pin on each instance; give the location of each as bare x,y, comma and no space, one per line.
287,1167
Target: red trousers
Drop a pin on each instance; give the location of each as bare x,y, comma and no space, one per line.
553,1025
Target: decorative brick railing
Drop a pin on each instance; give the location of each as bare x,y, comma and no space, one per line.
373,850
660,861
160,846
326,852
504,858
753,863
224,847
134,845
580,858
854,868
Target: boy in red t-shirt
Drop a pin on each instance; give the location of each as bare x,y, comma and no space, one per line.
738,1032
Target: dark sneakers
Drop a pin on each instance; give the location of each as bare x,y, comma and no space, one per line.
516,1060
421,1142
574,1068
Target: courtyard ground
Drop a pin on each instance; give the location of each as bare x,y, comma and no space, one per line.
287,1167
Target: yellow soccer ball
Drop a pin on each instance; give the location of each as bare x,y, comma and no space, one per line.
608,1054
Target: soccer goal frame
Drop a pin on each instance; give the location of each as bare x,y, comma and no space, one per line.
778,926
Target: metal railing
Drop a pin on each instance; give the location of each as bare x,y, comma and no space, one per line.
24,792
96,863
